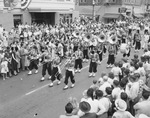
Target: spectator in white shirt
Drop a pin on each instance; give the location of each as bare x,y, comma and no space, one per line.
96,107
103,100
105,85
121,112
143,106
116,91
116,70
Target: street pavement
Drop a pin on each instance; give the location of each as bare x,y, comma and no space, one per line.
24,96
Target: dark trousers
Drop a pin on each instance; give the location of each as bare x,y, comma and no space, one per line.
100,54
85,54
93,67
105,49
137,45
33,64
128,54
68,75
46,67
111,59
78,62
55,74
75,48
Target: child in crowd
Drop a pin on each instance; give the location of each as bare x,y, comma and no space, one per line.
4,68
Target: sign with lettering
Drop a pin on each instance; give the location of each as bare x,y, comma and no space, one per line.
6,3
132,2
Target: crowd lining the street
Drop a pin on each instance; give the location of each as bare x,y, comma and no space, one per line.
122,93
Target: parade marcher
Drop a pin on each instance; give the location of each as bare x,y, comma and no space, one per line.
33,57
78,60
137,38
112,52
56,72
93,63
69,73
85,47
46,64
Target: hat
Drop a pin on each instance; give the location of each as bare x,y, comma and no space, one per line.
84,106
120,105
143,116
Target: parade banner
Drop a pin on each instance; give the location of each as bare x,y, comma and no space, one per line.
6,3
25,3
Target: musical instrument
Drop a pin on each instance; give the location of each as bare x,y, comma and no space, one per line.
113,39
124,48
102,37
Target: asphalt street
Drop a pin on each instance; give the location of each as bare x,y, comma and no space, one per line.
24,96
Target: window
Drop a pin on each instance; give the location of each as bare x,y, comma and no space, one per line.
113,1
82,1
17,19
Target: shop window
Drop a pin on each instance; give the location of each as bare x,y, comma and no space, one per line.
17,19
66,18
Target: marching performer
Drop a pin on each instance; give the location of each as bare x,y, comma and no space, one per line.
56,72
125,48
69,73
46,64
100,47
93,63
85,46
78,60
111,51
33,57
137,38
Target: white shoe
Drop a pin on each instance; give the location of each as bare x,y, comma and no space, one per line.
76,71
49,77
59,82
42,79
79,70
51,85
84,60
111,66
30,73
66,87
72,85
93,74
90,75
108,66
36,71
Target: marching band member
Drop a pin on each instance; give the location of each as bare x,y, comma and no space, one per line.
137,38
46,64
78,60
56,72
111,51
69,73
33,60
93,63
85,46
100,47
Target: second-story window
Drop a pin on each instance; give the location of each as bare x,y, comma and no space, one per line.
83,1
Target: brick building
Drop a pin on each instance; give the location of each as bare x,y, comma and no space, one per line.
13,12
109,9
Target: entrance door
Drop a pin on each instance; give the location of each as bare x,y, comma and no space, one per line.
17,19
47,18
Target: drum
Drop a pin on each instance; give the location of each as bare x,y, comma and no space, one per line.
124,48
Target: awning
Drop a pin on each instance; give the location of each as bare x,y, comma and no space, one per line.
111,15
48,10
138,15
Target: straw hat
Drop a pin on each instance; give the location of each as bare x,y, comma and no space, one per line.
120,105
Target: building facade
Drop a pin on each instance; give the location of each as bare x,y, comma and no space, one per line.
39,11
111,9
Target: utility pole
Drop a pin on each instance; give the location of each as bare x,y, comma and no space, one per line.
93,14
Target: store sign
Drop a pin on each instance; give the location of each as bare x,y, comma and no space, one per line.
132,2
122,10
6,3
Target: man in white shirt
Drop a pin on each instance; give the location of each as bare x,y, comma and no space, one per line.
105,85
116,70
116,91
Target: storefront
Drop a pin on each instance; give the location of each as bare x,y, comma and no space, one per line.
39,11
